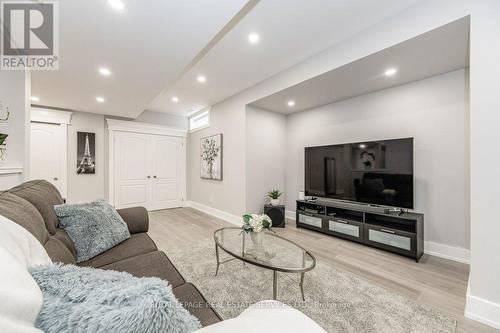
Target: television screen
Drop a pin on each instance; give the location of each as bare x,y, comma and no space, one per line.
376,172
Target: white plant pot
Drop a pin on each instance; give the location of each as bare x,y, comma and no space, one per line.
257,250
256,238
275,202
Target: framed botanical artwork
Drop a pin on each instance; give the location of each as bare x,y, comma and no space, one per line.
211,157
85,153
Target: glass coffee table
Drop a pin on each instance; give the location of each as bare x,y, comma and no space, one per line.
267,250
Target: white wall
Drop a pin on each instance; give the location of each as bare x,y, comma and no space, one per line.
229,116
229,194
265,156
483,301
86,187
433,112
424,16
160,118
14,90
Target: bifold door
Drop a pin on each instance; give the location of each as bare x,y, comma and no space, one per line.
168,172
149,171
132,164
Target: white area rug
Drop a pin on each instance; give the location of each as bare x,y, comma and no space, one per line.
337,300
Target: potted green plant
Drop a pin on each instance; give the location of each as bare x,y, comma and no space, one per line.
274,195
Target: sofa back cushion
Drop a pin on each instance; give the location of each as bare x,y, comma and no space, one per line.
25,214
43,195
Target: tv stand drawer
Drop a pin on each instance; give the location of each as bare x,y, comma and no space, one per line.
346,228
390,239
311,220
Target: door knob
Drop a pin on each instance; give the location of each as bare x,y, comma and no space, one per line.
149,176
154,176
56,179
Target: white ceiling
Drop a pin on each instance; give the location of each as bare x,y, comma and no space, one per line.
439,51
156,49
290,32
146,46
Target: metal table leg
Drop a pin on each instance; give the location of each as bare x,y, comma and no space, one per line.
302,276
243,247
217,256
302,285
275,285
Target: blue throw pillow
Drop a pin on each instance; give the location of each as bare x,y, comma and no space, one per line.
83,299
93,227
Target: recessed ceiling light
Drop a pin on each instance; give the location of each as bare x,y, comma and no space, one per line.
291,103
362,146
253,38
390,72
175,99
201,79
34,99
116,4
100,99
104,71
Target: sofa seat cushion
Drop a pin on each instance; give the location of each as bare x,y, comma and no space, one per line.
192,300
137,244
58,252
63,237
23,213
43,195
154,264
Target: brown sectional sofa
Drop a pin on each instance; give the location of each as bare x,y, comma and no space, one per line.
31,206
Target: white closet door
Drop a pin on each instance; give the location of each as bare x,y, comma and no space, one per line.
168,172
48,154
132,170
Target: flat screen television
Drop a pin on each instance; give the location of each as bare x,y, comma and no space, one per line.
375,172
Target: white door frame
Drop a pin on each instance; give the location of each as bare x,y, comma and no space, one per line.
115,125
62,118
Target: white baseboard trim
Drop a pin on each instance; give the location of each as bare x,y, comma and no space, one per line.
483,311
228,217
432,248
447,252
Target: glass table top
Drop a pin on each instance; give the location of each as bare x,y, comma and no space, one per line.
265,249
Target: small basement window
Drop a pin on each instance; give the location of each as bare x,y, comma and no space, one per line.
199,120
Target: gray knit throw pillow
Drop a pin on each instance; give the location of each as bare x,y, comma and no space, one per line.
93,227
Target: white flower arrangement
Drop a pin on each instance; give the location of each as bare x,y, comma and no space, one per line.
256,223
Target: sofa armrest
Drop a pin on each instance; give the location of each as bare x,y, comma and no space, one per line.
137,219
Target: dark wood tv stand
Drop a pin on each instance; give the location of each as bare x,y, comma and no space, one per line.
402,234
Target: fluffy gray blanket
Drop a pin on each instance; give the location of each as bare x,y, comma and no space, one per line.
81,299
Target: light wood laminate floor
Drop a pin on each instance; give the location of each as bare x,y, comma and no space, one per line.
437,282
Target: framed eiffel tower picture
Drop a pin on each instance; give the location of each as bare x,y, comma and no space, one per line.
85,153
